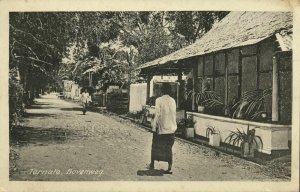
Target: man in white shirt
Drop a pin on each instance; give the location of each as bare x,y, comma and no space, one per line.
85,98
164,127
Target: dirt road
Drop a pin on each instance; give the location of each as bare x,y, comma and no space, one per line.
58,143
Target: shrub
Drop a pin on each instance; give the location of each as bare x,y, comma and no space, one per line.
16,106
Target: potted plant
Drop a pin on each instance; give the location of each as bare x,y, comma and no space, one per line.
202,95
189,131
247,141
198,96
151,101
205,98
210,101
251,106
180,126
213,135
201,98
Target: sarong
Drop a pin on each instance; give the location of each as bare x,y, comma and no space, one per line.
84,105
162,147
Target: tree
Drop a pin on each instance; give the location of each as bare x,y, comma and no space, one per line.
193,24
41,41
37,44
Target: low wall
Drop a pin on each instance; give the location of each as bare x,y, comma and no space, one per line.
274,137
117,102
138,95
179,113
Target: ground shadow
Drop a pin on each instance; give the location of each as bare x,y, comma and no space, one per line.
39,106
38,135
41,103
29,115
72,109
150,172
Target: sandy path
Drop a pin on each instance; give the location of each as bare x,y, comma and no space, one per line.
57,138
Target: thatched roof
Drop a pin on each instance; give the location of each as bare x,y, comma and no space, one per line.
235,30
285,39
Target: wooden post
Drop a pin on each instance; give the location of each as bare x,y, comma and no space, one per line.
275,95
179,90
226,112
193,96
214,74
90,79
148,87
240,74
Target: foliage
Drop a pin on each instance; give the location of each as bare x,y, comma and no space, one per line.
145,35
193,24
205,98
53,46
252,104
158,41
210,130
189,122
185,123
151,101
39,40
239,137
209,99
180,124
36,45
16,106
135,115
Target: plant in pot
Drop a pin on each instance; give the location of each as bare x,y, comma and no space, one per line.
251,106
151,101
206,99
213,135
203,94
248,141
199,95
180,126
213,103
189,131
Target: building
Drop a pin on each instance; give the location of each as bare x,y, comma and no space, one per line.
244,51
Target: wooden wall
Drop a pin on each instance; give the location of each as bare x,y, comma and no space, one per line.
285,88
234,71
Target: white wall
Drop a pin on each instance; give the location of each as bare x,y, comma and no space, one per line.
138,94
274,137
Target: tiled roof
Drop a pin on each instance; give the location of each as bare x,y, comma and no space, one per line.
235,30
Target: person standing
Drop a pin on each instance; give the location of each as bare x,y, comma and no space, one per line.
85,99
163,128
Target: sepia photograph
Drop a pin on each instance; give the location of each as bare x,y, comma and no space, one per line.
155,96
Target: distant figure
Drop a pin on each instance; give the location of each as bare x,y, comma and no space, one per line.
164,127
85,99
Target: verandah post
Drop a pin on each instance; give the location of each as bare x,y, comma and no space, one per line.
148,87
180,89
275,95
194,88
226,85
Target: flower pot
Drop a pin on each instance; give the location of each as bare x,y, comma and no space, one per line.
247,150
252,150
149,118
189,132
214,140
200,109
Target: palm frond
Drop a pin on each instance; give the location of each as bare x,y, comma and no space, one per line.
251,102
